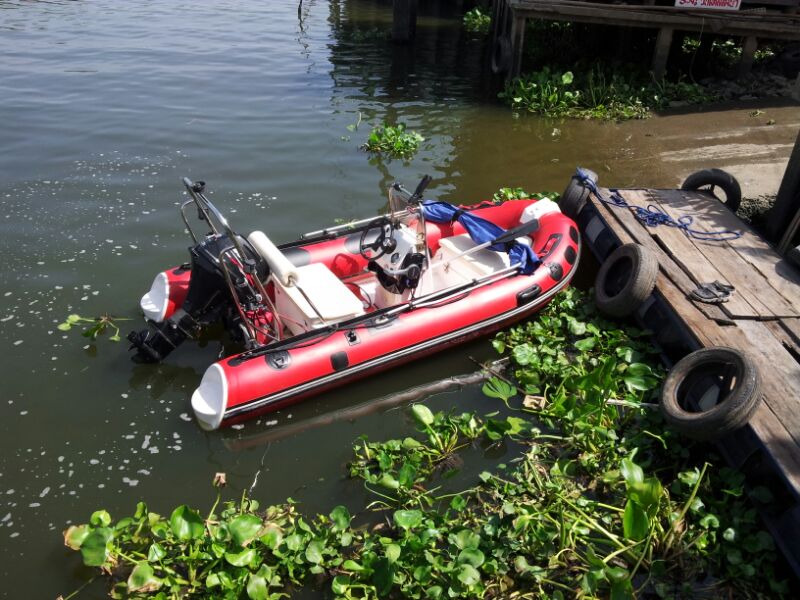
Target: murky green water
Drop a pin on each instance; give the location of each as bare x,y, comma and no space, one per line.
103,107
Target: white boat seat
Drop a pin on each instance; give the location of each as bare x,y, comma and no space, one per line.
333,299
478,264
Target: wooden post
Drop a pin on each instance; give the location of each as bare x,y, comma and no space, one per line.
404,20
748,53
661,52
517,43
784,214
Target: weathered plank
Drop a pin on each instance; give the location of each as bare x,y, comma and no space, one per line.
773,279
622,219
697,265
780,373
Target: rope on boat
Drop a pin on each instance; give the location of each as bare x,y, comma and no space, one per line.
653,216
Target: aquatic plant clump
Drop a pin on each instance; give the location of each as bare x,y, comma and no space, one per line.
476,21
596,94
599,500
394,141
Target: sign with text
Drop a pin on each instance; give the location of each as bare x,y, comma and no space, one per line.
710,4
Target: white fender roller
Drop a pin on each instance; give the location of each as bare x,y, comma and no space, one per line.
280,266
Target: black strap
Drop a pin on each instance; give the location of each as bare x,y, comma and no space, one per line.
458,213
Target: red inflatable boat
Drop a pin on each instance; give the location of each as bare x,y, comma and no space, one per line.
345,302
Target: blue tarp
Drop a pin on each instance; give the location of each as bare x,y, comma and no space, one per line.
481,231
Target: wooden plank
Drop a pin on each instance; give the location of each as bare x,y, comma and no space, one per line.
792,327
638,16
699,268
780,374
733,268
779,283
619,218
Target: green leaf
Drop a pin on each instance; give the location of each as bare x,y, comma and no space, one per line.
497,388
392,552
156,552
258,584
241,559
383,576
631,472
340,517
709,521
244,529
351,565
340,585
314,552
272,536
635,524
622,590
407,519
100,518
64,326
143,579
468,575
407,475
586,344
94,548
471,556
73,319
729,534
186,524
422,414
466,539
74,536
524,354
647,493
389,482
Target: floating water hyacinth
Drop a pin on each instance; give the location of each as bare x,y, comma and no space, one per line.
98,325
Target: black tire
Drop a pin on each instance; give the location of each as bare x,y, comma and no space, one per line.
501,55
709,179
710,393
625,280
575,196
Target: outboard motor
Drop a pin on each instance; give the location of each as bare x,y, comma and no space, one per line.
208,299
225,274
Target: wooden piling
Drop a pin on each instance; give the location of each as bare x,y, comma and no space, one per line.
783,220
748,54
404,20
517,43
661,52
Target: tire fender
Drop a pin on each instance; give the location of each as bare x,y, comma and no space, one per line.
625,280
690,397
708,179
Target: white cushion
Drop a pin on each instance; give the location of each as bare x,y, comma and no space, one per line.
480,263
333,299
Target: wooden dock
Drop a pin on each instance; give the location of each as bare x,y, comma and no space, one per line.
752,20
762,319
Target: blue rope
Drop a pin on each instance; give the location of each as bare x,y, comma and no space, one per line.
653,216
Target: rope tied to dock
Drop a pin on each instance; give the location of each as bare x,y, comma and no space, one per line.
653,216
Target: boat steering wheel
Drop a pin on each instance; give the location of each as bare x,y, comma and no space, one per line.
382,244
